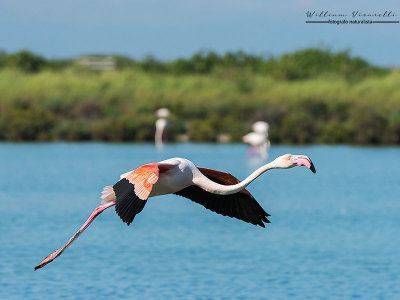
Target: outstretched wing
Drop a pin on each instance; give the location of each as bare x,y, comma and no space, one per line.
132,191
241,205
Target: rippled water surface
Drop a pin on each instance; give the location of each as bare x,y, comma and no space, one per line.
333,235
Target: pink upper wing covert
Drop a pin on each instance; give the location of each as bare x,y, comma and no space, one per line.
143,179
134,188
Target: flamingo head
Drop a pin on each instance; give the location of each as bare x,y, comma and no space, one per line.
289,161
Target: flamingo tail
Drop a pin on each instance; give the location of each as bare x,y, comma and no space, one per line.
108,195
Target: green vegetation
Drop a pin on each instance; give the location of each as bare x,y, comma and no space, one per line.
309,96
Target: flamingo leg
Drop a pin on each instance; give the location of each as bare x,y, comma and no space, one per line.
58,252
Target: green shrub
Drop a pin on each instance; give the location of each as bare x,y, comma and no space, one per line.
204,130
25,61
334,132
21,124
209,95
298,127
368,126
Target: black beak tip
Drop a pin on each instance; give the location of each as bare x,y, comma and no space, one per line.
312,168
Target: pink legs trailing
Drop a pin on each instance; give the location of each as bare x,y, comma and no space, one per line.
58,252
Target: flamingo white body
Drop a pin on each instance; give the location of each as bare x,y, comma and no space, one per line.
215,190
261,127
258,140
255,139
161,125
176,179
259,144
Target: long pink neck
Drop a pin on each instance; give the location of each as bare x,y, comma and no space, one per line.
216,188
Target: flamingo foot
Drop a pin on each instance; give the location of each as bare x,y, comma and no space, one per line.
49,258
52,256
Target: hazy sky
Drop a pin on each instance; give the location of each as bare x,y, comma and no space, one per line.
174,28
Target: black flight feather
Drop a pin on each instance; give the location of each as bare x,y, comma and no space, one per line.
241,205
128,204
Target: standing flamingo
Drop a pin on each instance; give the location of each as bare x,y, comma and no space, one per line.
215,190
161,125
258,140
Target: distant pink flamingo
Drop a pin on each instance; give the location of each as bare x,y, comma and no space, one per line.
215,190
161,126
258,140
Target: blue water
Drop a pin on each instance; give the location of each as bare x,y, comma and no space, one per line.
334,235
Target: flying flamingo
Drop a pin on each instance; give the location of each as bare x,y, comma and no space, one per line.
215,190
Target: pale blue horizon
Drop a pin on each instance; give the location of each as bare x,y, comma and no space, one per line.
58,29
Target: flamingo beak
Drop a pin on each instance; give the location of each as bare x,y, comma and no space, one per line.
302,160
